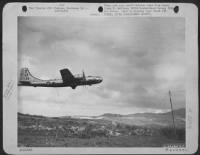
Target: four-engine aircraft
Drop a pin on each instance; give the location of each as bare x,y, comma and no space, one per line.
68,80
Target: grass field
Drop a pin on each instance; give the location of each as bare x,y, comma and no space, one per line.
120,141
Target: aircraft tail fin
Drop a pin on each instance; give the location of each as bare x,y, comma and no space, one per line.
25,75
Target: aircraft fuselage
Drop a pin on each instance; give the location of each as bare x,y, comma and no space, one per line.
60,83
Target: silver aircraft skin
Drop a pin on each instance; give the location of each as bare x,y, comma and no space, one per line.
68,80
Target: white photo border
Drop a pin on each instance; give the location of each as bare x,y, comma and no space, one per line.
11,11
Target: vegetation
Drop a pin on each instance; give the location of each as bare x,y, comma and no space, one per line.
169,132
45,131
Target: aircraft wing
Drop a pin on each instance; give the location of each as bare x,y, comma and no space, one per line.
67,76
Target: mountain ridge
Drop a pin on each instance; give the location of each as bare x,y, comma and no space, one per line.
180,111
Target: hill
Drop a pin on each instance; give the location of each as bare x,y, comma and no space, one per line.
139,119
149,119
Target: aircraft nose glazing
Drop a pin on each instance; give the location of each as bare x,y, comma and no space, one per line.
100,79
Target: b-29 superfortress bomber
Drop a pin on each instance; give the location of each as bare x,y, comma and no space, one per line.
68,80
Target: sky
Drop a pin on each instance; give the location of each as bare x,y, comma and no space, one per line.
140,60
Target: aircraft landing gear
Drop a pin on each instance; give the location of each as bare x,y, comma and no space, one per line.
73,87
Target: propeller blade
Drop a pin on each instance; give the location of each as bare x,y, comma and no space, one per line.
84,75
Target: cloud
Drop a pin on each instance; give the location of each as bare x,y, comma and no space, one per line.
140,59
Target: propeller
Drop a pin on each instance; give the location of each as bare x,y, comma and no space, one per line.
84,75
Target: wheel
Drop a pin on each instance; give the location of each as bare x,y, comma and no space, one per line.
73,87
